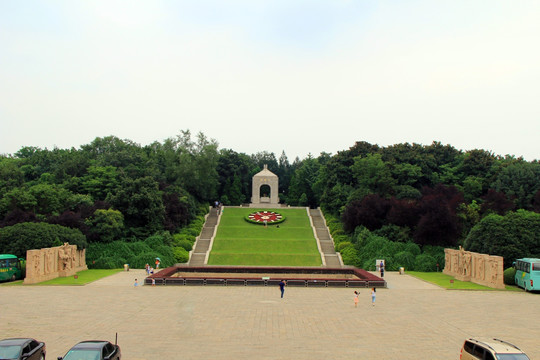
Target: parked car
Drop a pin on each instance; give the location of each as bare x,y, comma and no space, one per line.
93,350
22,349
491,349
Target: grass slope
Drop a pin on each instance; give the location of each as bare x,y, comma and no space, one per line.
83,277
443,280
238,242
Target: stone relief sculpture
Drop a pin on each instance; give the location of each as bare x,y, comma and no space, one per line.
50,263
470,266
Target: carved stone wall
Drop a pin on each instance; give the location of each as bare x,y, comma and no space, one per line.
50,263
483,269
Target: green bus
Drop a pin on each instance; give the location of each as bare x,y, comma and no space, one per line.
10,267
528,274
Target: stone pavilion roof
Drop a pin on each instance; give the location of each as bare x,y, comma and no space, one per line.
265,173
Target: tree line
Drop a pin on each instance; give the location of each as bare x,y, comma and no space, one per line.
115,190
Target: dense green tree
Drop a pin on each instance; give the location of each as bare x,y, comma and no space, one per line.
520,180
100,181
180,208
11,176
19,238
477,163
112,151
266,158
141,203
303,183
512,236
50,199
234,172
197,169
17,199
373,174
107,225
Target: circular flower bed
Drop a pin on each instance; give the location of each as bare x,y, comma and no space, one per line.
265,217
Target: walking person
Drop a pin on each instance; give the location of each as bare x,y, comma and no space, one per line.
373,296
356,293
282,287
381,267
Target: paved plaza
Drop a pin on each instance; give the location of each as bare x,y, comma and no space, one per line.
411,320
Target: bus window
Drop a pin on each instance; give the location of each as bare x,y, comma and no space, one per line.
13,262
536,266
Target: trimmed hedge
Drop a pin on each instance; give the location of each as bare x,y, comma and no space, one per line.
137,254
509,276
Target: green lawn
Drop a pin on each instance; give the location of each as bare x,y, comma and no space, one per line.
239,242
443,280
83,277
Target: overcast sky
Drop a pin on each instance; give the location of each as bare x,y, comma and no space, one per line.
299,76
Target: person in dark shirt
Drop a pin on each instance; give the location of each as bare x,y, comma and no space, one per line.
282,287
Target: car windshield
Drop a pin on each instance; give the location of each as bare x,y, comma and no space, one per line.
83,354
10,352
512,357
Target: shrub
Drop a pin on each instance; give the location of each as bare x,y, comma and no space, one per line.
350,256
394,233
186,244
136,254
341,238
154,241
342,245
405,259
509,276
370,264
180,254
425,263
437,252
108,263
413,248
178,238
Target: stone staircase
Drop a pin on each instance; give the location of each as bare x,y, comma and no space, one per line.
202,244
325,240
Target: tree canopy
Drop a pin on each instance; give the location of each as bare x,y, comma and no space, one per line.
114,190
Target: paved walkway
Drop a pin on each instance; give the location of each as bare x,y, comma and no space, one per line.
411,320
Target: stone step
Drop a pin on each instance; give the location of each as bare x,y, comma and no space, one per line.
202,246
332,261
323,235
206,233
197,259
325,240
328,248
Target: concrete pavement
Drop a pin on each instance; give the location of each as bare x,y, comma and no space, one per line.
411,320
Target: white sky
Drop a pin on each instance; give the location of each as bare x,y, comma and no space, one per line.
299,76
